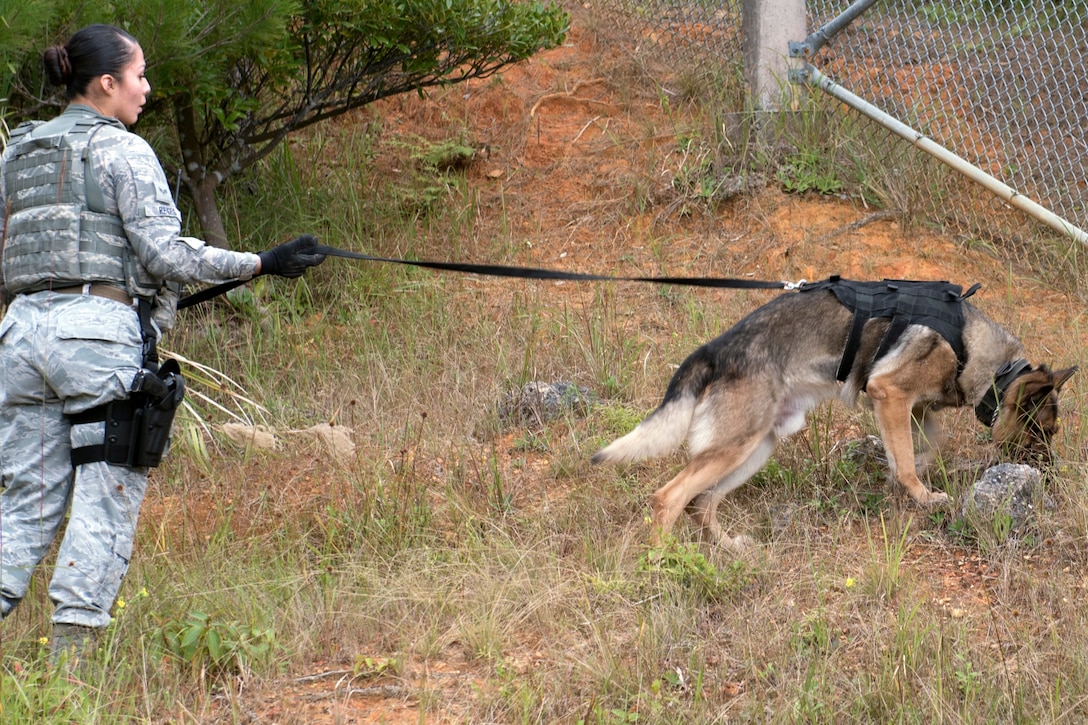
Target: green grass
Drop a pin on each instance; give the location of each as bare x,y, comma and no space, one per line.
497,559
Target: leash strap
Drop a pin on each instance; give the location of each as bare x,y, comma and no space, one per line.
496,270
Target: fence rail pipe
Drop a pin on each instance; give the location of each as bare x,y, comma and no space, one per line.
821,37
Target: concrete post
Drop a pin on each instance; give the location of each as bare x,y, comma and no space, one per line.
769,26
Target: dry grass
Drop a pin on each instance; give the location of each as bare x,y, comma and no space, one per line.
453,568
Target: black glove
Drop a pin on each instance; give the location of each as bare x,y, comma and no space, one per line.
291,259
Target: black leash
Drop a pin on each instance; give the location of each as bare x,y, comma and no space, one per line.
496,270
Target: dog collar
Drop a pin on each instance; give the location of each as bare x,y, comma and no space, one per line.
987,409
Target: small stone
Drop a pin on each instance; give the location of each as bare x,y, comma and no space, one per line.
537,402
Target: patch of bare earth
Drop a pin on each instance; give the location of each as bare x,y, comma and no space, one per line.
563,146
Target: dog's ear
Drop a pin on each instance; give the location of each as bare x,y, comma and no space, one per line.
1060,377
1029,413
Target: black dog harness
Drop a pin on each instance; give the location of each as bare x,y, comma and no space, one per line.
936,305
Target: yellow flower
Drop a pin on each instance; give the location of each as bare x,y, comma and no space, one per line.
850,582
143,593
43,640
120,603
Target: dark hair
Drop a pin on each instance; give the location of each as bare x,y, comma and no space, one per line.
93,51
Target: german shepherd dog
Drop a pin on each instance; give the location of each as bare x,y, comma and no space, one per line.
912,347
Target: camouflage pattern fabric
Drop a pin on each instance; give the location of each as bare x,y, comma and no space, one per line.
56,231
62,354
134,189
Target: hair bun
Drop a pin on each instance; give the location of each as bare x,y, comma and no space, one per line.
64,63
58,66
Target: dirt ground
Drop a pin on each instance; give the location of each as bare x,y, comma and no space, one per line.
558,140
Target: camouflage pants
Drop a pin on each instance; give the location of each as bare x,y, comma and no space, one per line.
63,354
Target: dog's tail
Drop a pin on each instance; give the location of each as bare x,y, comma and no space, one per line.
663,431
667,427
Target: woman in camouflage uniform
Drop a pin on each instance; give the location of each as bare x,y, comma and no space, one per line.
93,259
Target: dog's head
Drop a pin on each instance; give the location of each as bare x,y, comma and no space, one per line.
1028,417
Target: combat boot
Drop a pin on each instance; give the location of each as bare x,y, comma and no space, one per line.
71,644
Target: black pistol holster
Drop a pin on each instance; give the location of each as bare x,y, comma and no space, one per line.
137,428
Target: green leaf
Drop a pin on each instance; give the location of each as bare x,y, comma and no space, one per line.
215,645
190,641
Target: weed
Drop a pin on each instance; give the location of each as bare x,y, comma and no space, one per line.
814,633
774,475
967,677
374,667
806,171
990,531
533,442
685,565
219,646
34,693
609,716
617,420
884,574
810,704
445,155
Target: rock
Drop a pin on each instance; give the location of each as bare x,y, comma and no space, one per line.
537,402
783,517
1008,489
867,451
258,436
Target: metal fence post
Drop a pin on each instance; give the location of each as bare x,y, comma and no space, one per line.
768,28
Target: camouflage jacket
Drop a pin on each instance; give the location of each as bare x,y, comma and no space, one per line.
135,190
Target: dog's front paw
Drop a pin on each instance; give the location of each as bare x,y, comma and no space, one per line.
932,499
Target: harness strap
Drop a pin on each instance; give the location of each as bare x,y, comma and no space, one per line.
91,415
91,454
863,311
901,319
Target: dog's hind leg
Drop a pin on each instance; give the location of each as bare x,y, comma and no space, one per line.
710,475
703,509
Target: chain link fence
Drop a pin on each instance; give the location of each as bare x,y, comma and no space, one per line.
1001,83
681,30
